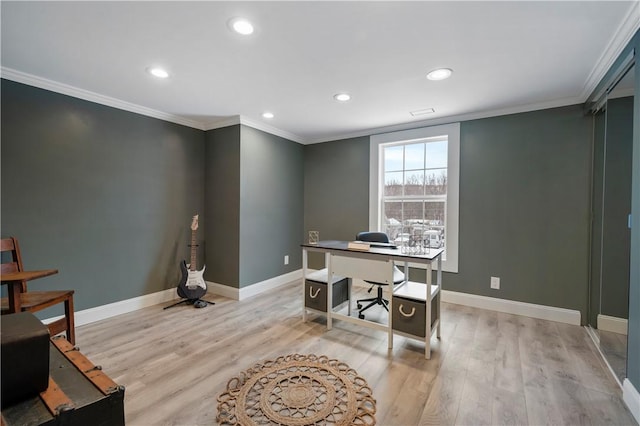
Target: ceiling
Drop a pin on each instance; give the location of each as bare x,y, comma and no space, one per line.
508,56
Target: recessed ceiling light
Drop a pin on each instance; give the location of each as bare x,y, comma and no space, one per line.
422,111
439,74
342,97
241,26
158,72
268,115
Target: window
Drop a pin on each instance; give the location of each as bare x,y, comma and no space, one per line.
414,188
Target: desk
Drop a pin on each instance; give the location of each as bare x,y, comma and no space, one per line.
14,281
377,264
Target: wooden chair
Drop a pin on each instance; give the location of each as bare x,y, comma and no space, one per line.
33,301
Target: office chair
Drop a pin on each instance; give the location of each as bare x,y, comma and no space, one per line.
33,301
398,275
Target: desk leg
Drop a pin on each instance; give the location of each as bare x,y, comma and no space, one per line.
329,290
427,338
349,284
389,291
439,282
304,280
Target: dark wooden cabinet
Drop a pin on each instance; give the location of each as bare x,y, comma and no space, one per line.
79,394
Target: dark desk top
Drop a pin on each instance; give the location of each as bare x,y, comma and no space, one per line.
395,253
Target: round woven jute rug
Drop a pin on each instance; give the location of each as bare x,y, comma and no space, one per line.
297,390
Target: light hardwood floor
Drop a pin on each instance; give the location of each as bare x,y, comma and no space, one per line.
614,348
489,368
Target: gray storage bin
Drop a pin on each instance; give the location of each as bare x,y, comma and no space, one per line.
409,315
315,290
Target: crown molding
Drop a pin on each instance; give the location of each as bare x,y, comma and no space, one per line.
43,83
239,119
272,130
618,42
65,89
31,80
222,122
455,118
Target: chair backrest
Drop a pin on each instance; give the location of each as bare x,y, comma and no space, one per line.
11,258
372,237
380,237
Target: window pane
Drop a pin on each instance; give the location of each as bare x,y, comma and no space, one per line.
434,215
436,154
414,156
393,183
393,158
414,183
392,219
413,212
413,223
436,182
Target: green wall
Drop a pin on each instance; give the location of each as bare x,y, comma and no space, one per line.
524,207
103,195
222,205
524,203
271,205
336,191
254,205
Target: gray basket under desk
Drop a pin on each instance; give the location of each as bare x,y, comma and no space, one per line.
315,291
409,310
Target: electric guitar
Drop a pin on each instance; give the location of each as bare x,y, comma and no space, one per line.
192,285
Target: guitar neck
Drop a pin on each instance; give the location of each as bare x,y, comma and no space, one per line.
192,266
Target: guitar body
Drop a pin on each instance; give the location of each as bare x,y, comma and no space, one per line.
192,285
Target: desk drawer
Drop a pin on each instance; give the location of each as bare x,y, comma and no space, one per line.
409,315
315,294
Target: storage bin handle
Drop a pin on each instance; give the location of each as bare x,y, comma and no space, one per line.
311,295
410,314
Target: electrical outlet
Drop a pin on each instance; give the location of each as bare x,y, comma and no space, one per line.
286,259
495,283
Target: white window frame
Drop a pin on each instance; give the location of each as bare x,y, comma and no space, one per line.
452,132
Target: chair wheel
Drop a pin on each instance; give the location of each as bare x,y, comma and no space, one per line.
361,316
359,306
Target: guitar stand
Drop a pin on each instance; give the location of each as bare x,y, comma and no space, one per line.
202,303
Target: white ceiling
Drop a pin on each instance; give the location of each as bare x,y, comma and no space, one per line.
506,56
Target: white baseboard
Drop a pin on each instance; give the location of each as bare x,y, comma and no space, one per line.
269,284
612,324
551,313
99,313
87,316
253,289
631,397
223,290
